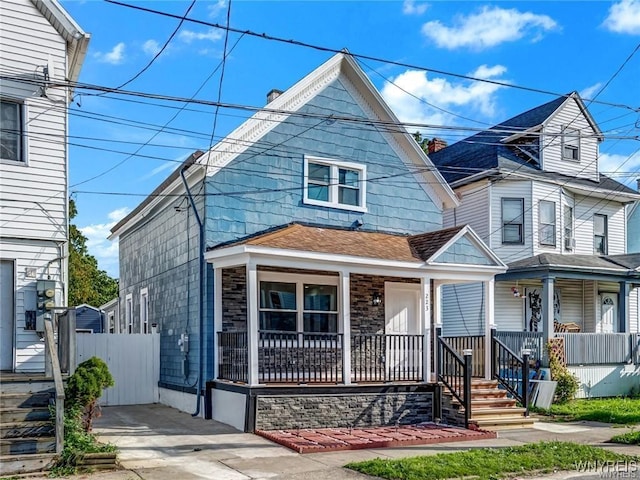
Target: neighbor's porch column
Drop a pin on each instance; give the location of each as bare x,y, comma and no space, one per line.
252,322
425,307
345,308
489,324
437,323
217,318
548,288
623,308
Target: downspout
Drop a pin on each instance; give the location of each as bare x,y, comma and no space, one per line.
202,285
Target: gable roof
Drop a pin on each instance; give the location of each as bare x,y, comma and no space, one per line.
486,150
77,39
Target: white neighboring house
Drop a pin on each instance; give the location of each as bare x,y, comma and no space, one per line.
41,49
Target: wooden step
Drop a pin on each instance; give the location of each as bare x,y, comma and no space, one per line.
26,429
27,445
24,400
509,412
483,384
19,414
496,423
483,393
19,464
503,402
36,386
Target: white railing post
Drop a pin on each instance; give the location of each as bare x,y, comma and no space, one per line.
489,325
425,287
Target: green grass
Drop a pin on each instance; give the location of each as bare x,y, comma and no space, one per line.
629,438
620,410
489,463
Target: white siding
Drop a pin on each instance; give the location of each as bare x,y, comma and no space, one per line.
472,210
571,301
550,193
552,161
509,310
510,189
585,208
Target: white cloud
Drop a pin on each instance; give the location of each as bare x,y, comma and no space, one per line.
591,91
474,97
489,27
105,251
151,47
615,165
410,7
216,7
114,57
189,36
624,17
159,169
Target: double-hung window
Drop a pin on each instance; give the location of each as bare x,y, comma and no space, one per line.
298,303
570,144
128,312
600,234
547,223
569,241
512,220
334,184
144,311
11,131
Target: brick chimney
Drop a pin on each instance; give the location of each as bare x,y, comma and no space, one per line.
436,144
273,94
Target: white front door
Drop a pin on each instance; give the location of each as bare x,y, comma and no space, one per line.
608,322
402,317
7,317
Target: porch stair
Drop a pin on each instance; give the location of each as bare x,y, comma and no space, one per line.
491,409
27,433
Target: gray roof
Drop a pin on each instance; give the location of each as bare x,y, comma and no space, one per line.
615,263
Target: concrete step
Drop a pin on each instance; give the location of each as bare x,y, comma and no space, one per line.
19,464
496,423
510,412
8,415
24,400
26,429
27,445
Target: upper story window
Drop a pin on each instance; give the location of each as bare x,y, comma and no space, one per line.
11,131
600,243
569,239
144,311
513,220
296,303
547,223
334,184
570,144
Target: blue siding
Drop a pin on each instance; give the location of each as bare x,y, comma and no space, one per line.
395,201
464,252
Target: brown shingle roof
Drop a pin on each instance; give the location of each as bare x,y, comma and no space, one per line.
385,246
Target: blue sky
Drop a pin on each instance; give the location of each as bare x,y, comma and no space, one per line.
551,46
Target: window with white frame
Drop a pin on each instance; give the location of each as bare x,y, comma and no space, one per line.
569,239
570,144
298,303
513,221
600,234
335,184
11,131
128,312
144,311
547,223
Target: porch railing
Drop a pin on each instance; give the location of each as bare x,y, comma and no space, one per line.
386,357
511,371
516,341
233,357
454,371
601,348
475,343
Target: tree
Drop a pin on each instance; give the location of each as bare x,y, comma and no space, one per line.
87,283
423,142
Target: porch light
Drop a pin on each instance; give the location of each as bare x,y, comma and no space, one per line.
376,300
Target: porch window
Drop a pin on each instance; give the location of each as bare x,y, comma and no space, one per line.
320,308
334,184
11,131
569,241
513,221
278,309
547,223
600,234
570,144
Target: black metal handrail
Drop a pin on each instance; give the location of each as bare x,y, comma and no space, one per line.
233,355
454,371
379,357
511,371
475,343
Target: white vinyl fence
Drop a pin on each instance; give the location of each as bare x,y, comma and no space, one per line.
133,360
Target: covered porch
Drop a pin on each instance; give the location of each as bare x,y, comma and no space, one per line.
310,305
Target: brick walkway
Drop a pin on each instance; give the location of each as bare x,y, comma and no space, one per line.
333,439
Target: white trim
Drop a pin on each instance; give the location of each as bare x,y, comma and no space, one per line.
217,317
128,312
334,185
144,319
344,295
475,240
253,323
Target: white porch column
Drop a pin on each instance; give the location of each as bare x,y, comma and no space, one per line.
489,324
425,308
437,320
217,318
345,308
252,322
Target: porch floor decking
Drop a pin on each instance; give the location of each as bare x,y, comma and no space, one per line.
335,439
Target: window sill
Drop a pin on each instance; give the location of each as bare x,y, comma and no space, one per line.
339,206
17,163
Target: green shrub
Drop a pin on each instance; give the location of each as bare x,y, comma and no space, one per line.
567,382
84,388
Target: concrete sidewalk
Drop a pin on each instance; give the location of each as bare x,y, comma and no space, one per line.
158,442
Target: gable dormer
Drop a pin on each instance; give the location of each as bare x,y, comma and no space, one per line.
570,140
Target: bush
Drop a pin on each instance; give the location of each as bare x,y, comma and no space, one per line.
567,382
84,388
